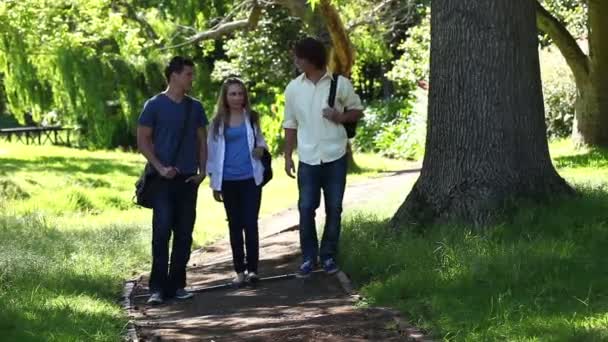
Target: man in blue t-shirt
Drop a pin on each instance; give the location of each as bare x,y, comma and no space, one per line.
172,135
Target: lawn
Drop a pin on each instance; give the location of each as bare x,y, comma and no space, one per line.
540,276
69,236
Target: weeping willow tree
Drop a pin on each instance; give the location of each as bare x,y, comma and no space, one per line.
94,62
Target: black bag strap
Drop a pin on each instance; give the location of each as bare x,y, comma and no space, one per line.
331,100
183,130
255,140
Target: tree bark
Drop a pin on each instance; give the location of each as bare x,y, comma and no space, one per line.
486,145
591,119
590,72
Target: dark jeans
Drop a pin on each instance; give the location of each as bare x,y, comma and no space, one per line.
174,212
331,178
242,203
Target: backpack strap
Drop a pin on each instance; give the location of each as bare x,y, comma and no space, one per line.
331,100
183,130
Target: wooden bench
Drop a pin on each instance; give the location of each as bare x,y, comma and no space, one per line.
35,134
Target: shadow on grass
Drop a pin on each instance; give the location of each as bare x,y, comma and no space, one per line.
62,284
542,275
596,157
59,323
68,165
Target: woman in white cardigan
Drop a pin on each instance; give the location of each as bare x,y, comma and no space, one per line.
236,173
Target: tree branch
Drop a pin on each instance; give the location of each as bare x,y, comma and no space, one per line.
133,15
224,28
367,19
572,52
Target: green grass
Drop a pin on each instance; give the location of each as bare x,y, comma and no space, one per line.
69,237
542,276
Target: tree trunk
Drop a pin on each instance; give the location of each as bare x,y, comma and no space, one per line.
486,145
590,72
591,119
590,126
342,56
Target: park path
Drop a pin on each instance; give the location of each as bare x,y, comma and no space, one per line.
280,307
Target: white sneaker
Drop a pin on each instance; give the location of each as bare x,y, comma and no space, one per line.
183,294
155,299
252,277
239,279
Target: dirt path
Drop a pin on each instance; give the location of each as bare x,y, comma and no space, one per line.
281,307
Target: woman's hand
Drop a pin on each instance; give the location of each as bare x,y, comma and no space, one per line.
217,195
258,152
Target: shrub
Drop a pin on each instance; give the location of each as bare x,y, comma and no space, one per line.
559,92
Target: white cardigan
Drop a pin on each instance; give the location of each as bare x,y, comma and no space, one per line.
216,149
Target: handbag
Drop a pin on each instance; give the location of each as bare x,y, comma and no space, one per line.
147,185
350,127
266,159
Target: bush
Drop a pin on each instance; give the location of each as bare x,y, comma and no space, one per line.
394,128
559,92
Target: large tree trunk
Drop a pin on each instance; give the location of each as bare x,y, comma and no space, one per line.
342,56
590,72
486,143
591,120
590,126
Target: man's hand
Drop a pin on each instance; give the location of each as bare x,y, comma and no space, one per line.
290,169
332,115
217,195
196,179
168,172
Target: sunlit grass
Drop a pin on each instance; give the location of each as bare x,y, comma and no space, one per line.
542,276
70,235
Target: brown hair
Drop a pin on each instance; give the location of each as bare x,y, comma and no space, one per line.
222,111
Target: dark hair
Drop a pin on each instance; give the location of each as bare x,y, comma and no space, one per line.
177,64
313,51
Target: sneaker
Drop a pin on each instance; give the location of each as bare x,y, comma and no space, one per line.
305,269
183,294
329,266
252,277
239,279
155,299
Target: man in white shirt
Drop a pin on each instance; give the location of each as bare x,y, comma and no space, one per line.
321,141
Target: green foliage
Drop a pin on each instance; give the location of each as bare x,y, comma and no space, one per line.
271,117
573,13
262,56
414,63
559,92
539,276
396,128
94,62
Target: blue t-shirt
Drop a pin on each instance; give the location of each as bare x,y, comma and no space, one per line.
237,158
166,118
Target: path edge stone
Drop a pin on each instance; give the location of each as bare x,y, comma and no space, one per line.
130,333
410,332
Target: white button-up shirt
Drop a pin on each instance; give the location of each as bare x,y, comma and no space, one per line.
319,140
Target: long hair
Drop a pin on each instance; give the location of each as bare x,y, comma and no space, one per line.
222,110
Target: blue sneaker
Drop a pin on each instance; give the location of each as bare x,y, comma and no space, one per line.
329,266
305,269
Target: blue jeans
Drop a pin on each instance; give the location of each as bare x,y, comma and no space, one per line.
174,212
242,203
331,178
